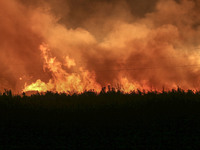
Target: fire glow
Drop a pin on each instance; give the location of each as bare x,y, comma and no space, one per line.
63,81
43,50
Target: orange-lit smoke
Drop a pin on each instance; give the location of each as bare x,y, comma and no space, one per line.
43,49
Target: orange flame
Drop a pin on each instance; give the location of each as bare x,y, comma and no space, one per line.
63,81
153,50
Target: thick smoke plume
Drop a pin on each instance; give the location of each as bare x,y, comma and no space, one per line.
66,45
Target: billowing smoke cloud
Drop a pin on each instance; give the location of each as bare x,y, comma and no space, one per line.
18,46
136,44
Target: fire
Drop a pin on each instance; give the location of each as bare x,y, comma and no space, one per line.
69,62
127,86
78,82
88,49
39,86
63,81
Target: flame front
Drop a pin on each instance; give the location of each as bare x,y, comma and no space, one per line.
62,81
103,43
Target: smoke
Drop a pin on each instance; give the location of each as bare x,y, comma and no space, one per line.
136,44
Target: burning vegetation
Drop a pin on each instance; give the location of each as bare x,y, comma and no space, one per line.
46,47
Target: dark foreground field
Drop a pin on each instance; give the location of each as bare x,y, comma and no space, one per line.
110,120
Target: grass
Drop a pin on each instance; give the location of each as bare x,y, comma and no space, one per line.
106,120
105,101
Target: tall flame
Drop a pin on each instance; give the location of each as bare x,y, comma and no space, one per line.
93,44
63,81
